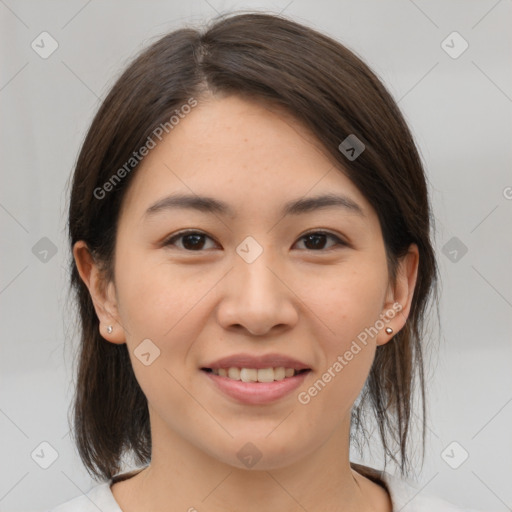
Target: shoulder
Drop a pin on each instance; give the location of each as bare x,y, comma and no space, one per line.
407,497
100,497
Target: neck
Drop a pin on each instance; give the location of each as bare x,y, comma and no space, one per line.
183,477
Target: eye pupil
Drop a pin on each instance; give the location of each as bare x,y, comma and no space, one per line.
195,241
198,241
317,243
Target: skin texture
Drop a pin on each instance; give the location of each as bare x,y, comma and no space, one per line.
197,305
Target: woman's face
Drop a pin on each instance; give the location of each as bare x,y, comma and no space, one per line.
249,281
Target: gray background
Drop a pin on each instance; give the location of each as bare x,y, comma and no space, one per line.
459,110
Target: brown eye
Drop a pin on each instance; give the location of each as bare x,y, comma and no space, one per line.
190,240
195,241
316,240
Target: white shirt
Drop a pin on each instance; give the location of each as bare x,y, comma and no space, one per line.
405,497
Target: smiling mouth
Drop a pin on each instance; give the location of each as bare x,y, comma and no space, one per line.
256,375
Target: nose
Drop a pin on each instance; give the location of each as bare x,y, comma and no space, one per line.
257,298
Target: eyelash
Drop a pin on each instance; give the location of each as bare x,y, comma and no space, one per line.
170,241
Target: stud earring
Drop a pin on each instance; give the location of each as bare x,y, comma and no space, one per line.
389,330
109,329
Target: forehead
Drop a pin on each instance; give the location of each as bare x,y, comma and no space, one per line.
247,154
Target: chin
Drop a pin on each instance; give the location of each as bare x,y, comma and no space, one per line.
260,453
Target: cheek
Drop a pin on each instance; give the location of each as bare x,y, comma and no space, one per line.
348,305
347,350
347,300
158,303
154,296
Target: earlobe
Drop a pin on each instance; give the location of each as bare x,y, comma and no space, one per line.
113,333
102,294
400,297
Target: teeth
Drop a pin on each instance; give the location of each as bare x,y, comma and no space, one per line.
248,375
255,375
279,373
234,373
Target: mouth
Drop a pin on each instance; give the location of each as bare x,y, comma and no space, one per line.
256,386
260,375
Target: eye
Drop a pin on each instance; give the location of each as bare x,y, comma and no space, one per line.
316,240
191,240
195,240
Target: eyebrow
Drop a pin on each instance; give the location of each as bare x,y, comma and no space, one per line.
210,205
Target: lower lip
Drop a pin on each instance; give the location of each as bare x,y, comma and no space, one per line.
256,393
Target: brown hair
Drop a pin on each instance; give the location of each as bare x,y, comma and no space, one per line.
334,93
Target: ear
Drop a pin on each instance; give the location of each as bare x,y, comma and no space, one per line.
103,294
399,297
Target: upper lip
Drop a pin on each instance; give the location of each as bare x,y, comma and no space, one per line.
258,362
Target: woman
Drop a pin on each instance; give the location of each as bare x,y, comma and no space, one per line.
250,228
